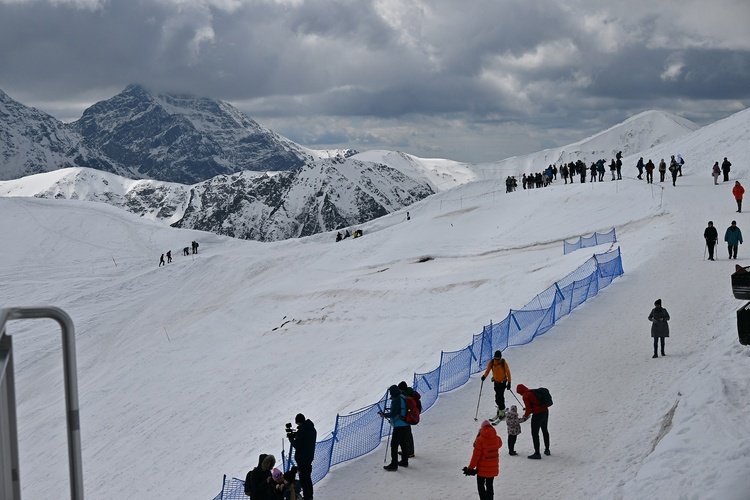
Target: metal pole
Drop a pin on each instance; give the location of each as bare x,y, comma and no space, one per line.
478,400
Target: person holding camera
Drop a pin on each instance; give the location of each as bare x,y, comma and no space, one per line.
303,442
485,460
397,415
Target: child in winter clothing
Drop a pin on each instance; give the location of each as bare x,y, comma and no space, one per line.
486,459
514,429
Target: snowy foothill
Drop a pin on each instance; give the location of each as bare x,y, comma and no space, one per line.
190,371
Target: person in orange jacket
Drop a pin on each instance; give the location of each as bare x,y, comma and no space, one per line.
501,378
738,191
539,418
485,460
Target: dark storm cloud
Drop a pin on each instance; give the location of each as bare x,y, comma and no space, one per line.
431,76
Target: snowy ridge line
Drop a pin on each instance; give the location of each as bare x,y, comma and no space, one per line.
362,431
590,241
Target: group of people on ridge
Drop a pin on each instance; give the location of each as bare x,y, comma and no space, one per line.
185,251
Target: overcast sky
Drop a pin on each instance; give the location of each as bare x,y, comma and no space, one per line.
475,80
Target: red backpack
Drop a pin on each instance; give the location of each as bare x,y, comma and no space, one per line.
413,408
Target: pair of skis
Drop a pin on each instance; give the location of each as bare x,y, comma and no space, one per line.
497,418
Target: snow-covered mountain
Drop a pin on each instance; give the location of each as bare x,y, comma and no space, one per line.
142,135
188,372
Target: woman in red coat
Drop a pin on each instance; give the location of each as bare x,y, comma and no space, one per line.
486,459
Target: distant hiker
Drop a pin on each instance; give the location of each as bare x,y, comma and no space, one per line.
725,168
260,479
680,163
659,318
396,416
662,170
347,234
514,429
640,166
409,392
161,261
169,256
500,378
733,237
408,217
582,171
711,235
738,191
186,251
539,419
485,460
673,169
613,169
715,171
338,236
195,246
618,164
303,442
650,172
600,168
592,169
523,181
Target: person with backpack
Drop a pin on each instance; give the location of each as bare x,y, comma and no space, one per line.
416,400
662,170
539,414
485,460
659,318
680,163
501,379
673,169
303,442
258,481
650,172
396,415
640,168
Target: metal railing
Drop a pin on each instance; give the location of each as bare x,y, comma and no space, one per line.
10,481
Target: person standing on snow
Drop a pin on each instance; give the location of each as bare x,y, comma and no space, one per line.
673,169
514,429
680,163
659,318
485,460
618,165
397,415
711,235
501,379
715,171
733,237
539,418
738,191
409,392
725,168
662,170
650,172
161,261
640,167
303,442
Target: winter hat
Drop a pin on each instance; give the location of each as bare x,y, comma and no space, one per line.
498,354
513,408
299,418
657,303
277,475
402,385
485,423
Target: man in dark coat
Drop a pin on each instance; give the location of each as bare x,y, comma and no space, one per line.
303,442
711,235
725,167
659,326
640,166
733,237
650,172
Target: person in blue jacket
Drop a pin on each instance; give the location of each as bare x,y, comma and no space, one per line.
733,237
397,416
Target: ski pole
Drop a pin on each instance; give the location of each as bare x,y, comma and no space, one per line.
514,395
704,251
387,445
478,400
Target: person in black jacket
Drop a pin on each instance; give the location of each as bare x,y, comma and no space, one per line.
711,235
303,442
725,168
258,481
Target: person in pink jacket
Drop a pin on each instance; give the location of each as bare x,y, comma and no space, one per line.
485,460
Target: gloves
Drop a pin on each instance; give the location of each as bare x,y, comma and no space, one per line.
483,378
507,388
469,472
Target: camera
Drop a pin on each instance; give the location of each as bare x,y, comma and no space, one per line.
290,433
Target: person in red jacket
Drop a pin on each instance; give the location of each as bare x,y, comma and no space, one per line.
485,460
539,418
738,191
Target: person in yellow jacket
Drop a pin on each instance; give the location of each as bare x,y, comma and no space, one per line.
501,378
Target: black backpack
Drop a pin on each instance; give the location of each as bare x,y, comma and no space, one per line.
543,396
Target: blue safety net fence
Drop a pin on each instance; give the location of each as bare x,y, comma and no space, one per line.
590,241
359,433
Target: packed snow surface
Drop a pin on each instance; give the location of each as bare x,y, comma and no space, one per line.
190,371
